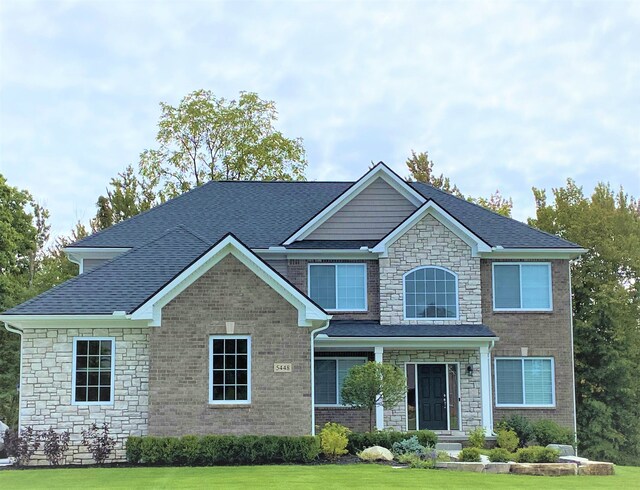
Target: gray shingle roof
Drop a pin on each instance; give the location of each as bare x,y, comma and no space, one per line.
366,328
121,284
264,214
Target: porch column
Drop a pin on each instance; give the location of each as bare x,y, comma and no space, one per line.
379,408
485,389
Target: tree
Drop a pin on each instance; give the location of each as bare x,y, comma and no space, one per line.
606,308
374,384
421,169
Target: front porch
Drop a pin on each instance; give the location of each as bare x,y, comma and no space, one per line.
448,377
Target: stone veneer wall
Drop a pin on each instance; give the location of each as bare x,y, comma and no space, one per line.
46,388
179,371
470,388
429,242
297,270
544,334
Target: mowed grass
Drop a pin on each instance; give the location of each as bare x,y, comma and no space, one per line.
290,477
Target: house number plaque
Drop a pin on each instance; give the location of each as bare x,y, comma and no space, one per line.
281,367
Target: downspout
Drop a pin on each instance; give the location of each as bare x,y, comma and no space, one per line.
19,332
493,344
573,365
313,384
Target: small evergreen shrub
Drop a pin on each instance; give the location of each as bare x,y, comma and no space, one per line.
477,438
221,450
500,455
426,438
537,454
98,442
507,439
334,439
408,446
548,432
470,455
520,425
54,445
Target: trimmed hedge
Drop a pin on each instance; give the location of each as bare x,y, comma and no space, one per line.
221,450
537,454
387,438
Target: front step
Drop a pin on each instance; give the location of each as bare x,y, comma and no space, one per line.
448,446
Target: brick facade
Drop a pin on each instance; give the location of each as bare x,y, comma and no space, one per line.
546,334
46,387
297,271
179,371
355,419
429,242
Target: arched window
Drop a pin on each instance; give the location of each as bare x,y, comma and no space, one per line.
430,292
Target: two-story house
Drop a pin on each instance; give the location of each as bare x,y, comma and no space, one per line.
239,308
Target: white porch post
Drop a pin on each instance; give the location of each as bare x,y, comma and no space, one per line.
485,389
379,408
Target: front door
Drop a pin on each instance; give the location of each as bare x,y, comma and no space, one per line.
432,396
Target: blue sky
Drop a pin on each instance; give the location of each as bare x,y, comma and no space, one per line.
504,95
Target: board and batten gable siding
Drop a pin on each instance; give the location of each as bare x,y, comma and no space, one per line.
373,213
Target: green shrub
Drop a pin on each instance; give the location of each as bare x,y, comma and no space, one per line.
537,454
548,432
387,438
334,439
221,450
408,446
470,455
500,455
507,439
477,437
520,425
416,461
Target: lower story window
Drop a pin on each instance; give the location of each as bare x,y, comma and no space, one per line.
230,369
93,370
527,381
330,373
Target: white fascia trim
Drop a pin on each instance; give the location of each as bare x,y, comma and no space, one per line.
78,254
116,320
308,313
533,253
308,253
430,207
406,342
380,170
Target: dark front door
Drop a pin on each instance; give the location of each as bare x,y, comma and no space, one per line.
432,396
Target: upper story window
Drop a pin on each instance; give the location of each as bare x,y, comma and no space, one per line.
230,371
339,287
522,381
93,370
522,286
430,293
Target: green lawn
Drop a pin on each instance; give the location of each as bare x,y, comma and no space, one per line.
288,477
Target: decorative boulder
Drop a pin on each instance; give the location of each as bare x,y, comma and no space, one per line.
563,449
376,453
545,469
596,468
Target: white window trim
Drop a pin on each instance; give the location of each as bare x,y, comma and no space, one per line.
229,337
337,359
524,388
520,264
404,294
340,310
73,370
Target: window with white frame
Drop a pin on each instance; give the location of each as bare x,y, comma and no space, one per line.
329,374
524,381
230,381
339,287
522,286
430,292
93,370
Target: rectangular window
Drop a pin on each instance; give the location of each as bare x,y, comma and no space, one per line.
230,381
525,382
339,287
329,374
520,286
93,371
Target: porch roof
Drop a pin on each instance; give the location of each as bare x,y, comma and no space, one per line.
370,329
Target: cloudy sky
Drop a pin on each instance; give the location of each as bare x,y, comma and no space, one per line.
503,95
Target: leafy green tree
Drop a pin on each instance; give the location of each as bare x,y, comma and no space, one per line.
421,169
606,308
371,384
